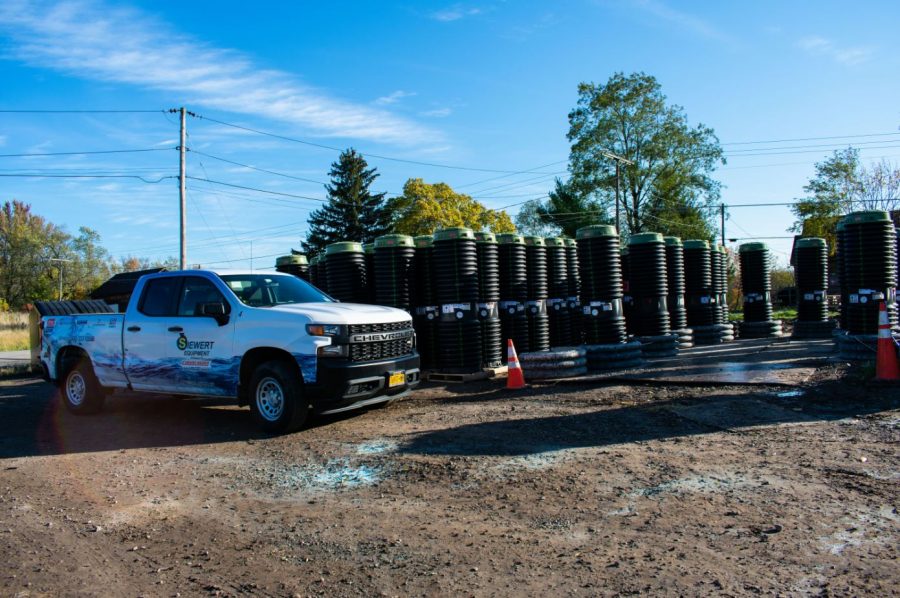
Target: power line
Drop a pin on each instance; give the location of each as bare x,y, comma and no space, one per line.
366,154
811,138
815,151
281,174
90,153
282,203
89,176
787,147
81,111
194,178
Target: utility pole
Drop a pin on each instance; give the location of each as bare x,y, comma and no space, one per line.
618,160
182,191
722,215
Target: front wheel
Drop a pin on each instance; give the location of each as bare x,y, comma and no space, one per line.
81,391
276,398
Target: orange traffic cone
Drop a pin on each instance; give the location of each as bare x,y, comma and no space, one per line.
886,366
515,379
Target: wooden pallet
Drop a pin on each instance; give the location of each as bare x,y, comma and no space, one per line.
469,377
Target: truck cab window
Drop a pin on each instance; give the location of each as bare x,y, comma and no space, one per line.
159,296
195,292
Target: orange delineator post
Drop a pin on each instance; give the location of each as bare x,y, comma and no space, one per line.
886,366
515,378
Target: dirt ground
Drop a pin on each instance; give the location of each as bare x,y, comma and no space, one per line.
585,489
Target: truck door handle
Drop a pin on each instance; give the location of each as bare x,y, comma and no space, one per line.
176,329
134,329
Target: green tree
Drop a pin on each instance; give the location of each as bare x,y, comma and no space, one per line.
27,244
831,193
90,265
566,210
424,208
672,161
351,212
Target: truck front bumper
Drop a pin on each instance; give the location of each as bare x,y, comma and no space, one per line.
342,386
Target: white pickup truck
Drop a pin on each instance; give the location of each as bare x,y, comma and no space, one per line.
272,341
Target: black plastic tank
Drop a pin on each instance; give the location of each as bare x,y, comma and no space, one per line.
558,290
427,311
599,265
346,264
492,348
394,271
811,275
649,284
513,291
675,278
295,264
870,270
369,249
455,275
314,271
627,299
573,298
536,302
756,282
698,289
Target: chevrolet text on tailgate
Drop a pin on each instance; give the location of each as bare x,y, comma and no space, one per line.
271,341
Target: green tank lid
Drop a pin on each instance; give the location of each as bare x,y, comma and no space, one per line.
291,260
807,242
394,241
717,248
570,242
424,241
535,241
510,239
840,225
867,217
344,247
748,247
673,241
696,244
644,238
596,230
369,248
452,234
485,237
555,242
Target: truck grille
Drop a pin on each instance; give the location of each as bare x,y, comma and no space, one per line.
380,349
388,327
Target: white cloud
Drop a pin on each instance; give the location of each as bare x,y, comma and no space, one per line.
454,13
394,97
682,20
437,112
103,42
820,46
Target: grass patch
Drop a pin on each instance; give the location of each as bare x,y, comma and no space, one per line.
14,340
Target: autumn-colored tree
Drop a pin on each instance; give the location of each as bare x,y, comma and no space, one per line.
27,244
425,207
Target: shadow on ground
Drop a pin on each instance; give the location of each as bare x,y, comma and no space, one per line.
654,420
33,421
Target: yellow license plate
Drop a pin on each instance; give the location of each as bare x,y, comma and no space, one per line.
396,379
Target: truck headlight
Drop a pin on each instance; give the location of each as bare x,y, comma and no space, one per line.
332,351
323,329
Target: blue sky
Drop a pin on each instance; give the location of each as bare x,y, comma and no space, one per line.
468,85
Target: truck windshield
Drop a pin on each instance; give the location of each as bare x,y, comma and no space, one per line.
266,290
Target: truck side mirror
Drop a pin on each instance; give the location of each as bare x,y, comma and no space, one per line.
216,311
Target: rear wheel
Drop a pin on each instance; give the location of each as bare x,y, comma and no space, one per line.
81,391
276,398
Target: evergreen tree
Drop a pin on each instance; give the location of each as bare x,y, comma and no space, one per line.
351,212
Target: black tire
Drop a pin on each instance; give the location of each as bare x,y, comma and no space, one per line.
81,391
276,398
